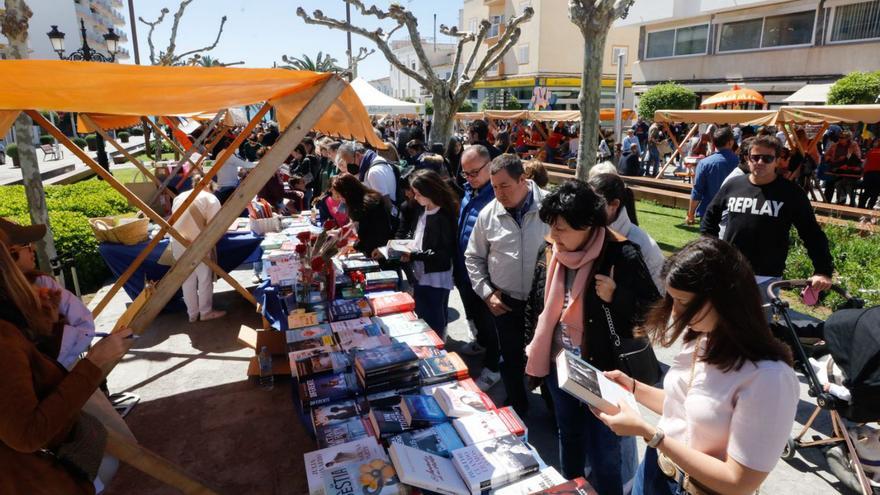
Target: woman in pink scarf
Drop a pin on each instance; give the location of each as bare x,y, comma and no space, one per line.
586,272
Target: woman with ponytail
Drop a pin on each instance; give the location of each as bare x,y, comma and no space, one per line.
620,205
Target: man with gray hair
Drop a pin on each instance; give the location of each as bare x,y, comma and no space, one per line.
373,170
500,260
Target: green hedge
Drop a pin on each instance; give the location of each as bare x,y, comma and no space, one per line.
47,139
80,142
166,147
70,207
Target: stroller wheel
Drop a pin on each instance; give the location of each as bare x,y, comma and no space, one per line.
840,466
790,449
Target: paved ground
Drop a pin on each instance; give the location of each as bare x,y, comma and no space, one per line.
200,411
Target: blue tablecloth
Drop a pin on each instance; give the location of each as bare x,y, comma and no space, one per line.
233,249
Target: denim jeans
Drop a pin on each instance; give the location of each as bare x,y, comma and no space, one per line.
512,344
650,480
585,441
432,305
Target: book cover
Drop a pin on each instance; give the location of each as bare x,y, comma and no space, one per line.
363,265
334,413
351,293
589,385
438,439
425,352
300,319
383,277
480,427
398,302
392,382
404,323
372,477
462,398
387,421
389,397
512,420
542,480
338,433
372,361
353,324
294,356
577,486
348,309
320,461
421,411
428,338
321,363
494,463
366,343
443,368
323,389
402,245
306,333
302,345
425,470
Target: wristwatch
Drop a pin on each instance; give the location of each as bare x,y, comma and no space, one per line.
658,437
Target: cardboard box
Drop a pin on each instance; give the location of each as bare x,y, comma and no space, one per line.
276,344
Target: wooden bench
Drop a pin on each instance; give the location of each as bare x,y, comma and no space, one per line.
52,150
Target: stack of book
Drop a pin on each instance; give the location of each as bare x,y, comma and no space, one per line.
381,280
386,304
386,368
360,264
348,309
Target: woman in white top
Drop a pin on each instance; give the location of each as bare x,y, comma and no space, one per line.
620,205
729,400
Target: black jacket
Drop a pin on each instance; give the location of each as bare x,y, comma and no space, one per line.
438,243
633,297
374,226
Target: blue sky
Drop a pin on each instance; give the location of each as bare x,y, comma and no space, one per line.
259,32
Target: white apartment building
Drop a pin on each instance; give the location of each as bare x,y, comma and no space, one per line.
773,46
440,56
99,16
383,84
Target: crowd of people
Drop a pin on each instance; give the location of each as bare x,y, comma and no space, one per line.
538,271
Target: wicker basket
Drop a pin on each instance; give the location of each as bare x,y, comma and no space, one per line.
120,230
262,226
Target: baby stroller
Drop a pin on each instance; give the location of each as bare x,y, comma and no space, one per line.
852,338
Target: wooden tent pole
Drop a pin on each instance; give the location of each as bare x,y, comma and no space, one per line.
255,180
677,150
107,176
150,463
172,122
186,157
208,149
159,132
107,137
132,268
670,134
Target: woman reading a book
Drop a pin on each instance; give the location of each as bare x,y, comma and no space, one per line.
730,397
588,280
434,241
368,208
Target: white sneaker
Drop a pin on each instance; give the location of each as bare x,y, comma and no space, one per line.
487,379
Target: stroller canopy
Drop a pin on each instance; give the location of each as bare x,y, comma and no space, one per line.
853,337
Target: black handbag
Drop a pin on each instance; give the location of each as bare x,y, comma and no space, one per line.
635,356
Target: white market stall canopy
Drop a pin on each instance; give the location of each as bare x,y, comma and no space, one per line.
810,93
378,103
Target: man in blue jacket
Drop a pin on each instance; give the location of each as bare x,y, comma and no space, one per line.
711,172
478,193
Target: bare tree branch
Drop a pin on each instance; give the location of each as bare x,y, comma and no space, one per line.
463,39
207,48
318,18
481,35
362,54
172,41
153,25
400,13
499,49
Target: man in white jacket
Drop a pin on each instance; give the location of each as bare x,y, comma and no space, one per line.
500,260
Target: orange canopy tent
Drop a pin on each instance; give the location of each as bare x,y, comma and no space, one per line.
735,98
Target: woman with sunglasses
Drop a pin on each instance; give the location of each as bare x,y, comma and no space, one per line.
730,397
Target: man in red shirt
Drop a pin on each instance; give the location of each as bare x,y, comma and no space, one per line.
871,177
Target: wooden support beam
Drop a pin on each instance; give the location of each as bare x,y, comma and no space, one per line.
292,136
108,138
677,150
123,278
186,157
209,148
158,130
155,217
152,464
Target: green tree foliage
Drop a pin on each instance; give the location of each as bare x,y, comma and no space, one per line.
321,63
666,96
466,106
855,88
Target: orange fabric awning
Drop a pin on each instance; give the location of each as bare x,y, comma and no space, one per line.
134,91
541,115
734,96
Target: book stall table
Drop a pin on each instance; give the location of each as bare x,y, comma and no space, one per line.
391,411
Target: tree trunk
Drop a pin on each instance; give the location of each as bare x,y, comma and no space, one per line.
15,26
444,116
588,100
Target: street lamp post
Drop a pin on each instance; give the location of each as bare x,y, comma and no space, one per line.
88,54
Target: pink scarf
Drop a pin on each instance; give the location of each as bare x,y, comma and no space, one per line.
538,351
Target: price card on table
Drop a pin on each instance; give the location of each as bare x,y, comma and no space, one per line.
284,269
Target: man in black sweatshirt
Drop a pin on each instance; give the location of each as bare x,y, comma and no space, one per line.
761,209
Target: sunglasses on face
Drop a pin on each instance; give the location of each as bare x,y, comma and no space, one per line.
762,158
473,173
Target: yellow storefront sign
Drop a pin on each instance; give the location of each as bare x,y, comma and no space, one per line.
575,82
506,83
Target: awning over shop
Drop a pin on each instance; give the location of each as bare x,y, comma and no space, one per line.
544,115
731,117
849,114
810,93
135,91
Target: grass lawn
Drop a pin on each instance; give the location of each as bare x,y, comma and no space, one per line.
666,225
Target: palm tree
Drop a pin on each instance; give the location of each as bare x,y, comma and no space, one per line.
208,61
321,63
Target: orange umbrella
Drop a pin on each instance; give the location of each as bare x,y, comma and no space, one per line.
735,97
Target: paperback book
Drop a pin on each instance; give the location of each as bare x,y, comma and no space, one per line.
396,325
334,413
323,460
589,385
425,339
394,381
480,427
322,363
373,477
542,480
421,411
387,421
308,344
328,388
438,440
494,463
344,432
370,362
397,302
442,368
294,356
577,486
312,332
425,352
348,309
511,419
362,265
301,319
426,470
461,398
366,343
390,397
381,280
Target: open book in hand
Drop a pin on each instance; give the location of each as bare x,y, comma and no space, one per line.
396,247
587,384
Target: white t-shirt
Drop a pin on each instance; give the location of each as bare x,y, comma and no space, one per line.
207,204
746,414
380,178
